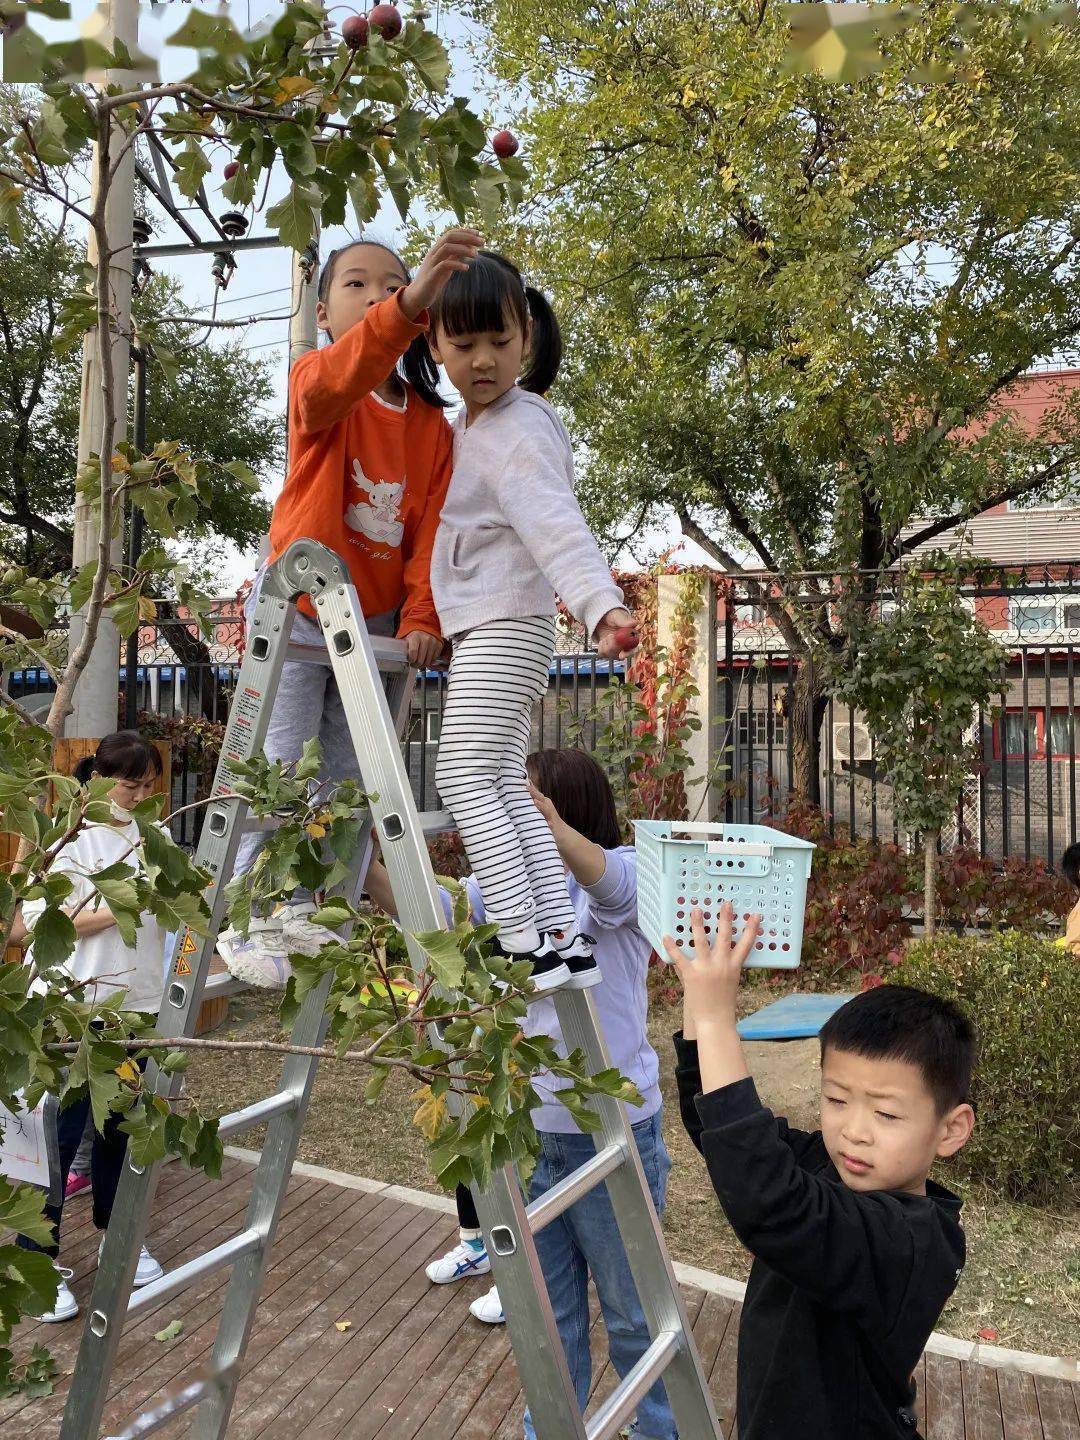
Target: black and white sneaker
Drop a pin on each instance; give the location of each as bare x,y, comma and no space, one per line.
579,959
549,969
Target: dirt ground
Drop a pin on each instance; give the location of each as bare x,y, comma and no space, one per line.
1023,1274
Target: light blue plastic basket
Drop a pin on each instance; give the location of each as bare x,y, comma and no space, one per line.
697,866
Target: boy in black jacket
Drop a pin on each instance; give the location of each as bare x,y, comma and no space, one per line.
856,1251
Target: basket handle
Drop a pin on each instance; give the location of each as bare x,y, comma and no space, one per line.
717,846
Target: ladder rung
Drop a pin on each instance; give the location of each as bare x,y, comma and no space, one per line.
238,1121
184,1275
389,655
433,822
561,1196
197,1389
625,1398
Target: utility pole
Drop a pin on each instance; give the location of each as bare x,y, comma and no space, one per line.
303,329
95,697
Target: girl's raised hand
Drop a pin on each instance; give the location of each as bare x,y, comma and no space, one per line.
616,636
451,253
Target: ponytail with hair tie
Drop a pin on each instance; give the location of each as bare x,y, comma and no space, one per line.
545,347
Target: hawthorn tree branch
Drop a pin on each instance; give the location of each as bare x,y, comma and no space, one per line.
947,522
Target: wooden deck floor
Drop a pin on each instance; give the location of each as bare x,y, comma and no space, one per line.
412,1364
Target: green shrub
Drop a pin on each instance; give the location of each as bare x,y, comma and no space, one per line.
1024,997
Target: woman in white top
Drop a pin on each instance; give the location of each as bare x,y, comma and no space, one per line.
110,966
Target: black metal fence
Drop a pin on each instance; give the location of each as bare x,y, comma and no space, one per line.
1021,798
188,705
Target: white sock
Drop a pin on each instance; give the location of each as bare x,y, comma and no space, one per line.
563,939
519,939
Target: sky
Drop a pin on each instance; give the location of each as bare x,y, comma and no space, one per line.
259,289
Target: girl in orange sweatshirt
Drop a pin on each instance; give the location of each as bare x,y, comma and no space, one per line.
369,463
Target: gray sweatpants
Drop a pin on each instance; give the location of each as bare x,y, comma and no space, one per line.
307,704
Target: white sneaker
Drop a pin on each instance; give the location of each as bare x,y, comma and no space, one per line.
260,958
66,1306
300,933
488,1308
461,1263
146,1270
580,962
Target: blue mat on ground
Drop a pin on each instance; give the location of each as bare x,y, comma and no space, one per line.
792,1018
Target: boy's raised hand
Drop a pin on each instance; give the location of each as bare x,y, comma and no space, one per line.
451,253
711,978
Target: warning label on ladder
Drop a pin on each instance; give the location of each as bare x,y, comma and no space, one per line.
188,947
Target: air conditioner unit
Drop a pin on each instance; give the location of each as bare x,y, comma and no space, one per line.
851,743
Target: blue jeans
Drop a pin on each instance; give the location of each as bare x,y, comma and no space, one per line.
585,1241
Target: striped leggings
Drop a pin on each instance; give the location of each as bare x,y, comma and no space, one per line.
497,674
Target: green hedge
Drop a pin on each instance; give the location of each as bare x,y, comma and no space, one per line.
1024,997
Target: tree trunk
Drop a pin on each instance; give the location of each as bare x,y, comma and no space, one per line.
930,868
808,707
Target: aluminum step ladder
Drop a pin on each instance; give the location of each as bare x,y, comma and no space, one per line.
375,683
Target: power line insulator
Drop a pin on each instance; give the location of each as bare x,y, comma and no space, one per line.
233,224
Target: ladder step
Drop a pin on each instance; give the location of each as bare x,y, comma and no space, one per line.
235,1123
389,655
561,1196
434,822
625,1398
197,1389
179,1279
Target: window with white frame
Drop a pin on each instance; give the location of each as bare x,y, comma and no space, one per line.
761,729
1043,614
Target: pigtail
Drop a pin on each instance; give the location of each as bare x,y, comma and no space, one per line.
419,369
546,346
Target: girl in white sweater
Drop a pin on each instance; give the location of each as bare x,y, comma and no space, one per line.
109,966
511,539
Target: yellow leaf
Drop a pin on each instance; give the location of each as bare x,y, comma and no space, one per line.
128,1072
377,991
342,1325
430,1113
315,830
121,463
290,86
147,608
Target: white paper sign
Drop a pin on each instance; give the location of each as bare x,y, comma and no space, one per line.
24,1155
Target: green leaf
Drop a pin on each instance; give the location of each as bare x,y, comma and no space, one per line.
294,216
443,951
296,148
213,34
334,911
244,473
192,168
53,938
397,182
82,584
428,53
21,1211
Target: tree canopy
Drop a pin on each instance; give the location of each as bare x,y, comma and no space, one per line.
794,308
216,399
